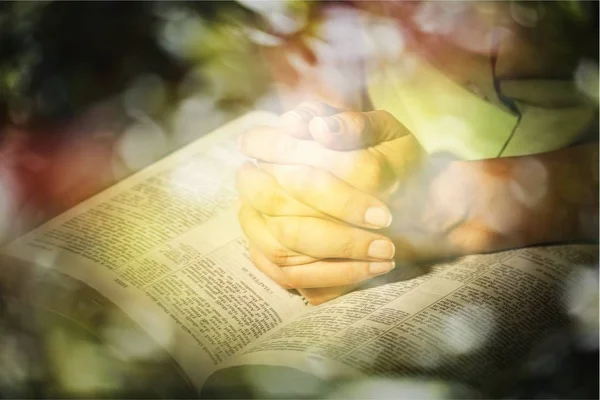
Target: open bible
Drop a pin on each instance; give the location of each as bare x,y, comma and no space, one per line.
164,246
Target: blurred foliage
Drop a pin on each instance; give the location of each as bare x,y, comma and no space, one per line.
58,58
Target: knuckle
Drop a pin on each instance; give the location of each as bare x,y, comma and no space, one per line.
347,249
351,273
279,255
286,285
270,202
371,171
290,281
287,230
277,203
356,121
346,206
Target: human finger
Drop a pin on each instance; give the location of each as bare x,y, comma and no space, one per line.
344,275
366,170
316,296
295,122
268,267
258,188
269,144
255,229
322,191
328,273
356,130
319,238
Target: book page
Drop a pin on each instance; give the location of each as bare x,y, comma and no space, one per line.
165,246
465,320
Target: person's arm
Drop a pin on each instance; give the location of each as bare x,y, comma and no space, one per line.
572,202
468,207
311,213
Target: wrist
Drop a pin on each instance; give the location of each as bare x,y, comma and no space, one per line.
557,193
575,188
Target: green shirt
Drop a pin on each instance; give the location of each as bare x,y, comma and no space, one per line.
446,116
485,116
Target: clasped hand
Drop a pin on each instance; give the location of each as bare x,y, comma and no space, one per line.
339,197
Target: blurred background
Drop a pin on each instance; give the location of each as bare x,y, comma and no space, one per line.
91,92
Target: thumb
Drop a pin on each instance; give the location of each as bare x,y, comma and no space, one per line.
296,121
356,130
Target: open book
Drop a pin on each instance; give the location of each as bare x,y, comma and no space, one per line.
165,247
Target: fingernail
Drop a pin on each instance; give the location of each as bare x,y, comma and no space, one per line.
330,124
383,249
378,268
378,216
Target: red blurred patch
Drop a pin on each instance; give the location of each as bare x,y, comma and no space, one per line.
54,171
